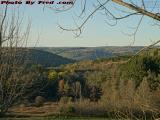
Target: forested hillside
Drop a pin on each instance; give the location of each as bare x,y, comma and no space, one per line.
46,59
103,87
34,57
90,53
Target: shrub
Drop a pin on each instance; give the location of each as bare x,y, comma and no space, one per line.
66,105
67,109
52,75
65,100
70,109
139,68
39,101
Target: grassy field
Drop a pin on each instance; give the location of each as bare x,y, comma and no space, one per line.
46,112
41,113
52,118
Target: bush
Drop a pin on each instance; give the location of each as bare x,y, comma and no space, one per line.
39,101
67,109
70,109
65,100
52,75
66,105
139,67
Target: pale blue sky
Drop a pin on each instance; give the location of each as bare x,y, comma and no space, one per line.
95,33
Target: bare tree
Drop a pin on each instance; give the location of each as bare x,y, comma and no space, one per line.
141,8
114,11
13,76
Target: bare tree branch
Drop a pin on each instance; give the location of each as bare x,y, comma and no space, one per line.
138,9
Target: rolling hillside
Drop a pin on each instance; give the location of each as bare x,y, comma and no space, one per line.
31,57
46,59
90,53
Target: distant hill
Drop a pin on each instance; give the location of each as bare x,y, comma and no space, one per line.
46,59
90,53
31,57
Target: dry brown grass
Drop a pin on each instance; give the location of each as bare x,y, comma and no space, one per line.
118,102
48,109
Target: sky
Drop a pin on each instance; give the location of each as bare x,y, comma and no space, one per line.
96,32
